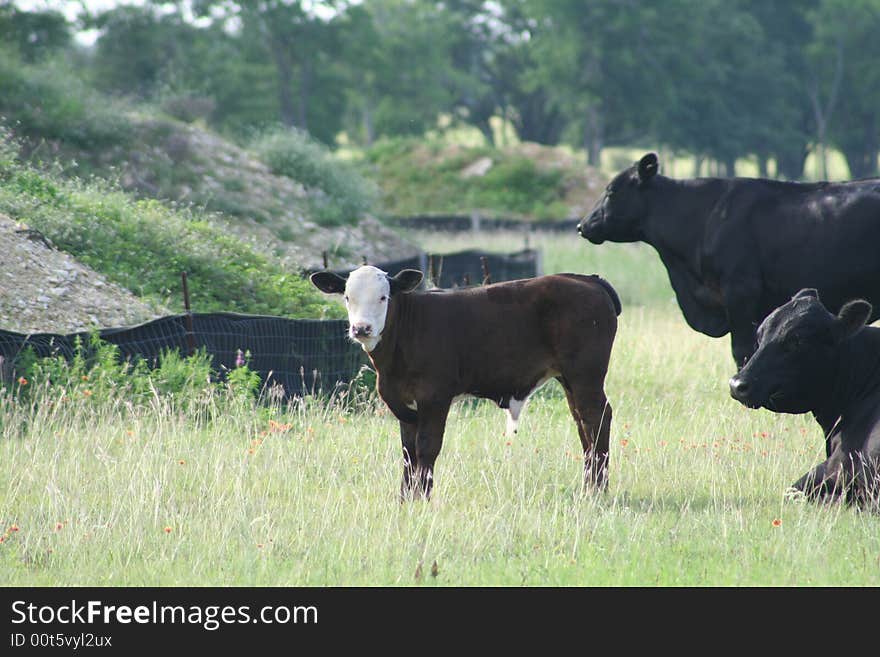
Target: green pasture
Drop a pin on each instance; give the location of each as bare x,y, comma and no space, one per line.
219,491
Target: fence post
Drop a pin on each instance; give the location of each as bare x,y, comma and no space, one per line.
188,320
484,263
475,221
324,257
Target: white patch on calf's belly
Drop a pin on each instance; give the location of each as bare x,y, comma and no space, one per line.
515,407
413,406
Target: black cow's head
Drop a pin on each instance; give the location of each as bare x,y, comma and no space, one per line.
793,366
619,213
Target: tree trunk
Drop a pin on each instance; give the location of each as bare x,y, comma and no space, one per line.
862,162
367,118
762,166
305,84
790,164
284,71
593,136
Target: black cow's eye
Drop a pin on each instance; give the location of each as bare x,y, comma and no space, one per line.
383,299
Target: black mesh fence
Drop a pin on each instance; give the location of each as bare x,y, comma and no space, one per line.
392,267
471,267
464,268
475,222
301,355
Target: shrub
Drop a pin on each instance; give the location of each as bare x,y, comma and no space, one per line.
50,102
97,374
339,194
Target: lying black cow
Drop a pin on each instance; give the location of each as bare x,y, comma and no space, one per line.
810,360
736,248
498,342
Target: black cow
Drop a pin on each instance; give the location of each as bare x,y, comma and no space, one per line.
736,248
811,360
499,342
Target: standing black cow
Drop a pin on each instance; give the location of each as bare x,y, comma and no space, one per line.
736,248
810,360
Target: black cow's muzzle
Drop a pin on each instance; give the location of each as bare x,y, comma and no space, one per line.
590,227
741,391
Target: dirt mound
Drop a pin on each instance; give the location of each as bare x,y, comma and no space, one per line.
187,164
43,290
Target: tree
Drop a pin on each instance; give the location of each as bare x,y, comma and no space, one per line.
844,94
34,34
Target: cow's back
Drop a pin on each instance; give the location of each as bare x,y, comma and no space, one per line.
504,338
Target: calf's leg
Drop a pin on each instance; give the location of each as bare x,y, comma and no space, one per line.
408,435
592,415
431,426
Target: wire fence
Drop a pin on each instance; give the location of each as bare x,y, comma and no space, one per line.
303,356
457,223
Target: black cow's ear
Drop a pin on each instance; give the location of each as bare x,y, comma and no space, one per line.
406,280
328,281
851,318
807,293
648,166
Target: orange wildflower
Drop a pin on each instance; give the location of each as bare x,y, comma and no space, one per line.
776,522
22,381
168,530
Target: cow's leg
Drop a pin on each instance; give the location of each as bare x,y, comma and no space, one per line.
408,434
592,414
815,484
431,425
742,315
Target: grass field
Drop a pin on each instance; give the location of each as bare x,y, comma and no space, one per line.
113,494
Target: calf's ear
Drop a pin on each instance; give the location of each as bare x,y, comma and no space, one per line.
405,280
648,166
851,318
328,282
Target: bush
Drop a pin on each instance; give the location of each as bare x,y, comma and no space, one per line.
339,194
50,102
97,374
421,177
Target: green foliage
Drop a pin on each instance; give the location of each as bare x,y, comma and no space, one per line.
145,245
344,194
420,177
33,34
96,373
49,102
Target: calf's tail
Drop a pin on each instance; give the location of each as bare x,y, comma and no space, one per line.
612,293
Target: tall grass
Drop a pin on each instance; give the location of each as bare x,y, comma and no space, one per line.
305,493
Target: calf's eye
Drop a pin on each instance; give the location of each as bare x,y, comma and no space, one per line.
383,299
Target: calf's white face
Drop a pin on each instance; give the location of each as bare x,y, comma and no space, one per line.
367,292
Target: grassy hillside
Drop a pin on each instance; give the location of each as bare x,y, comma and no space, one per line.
418,176
143,245
283,192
